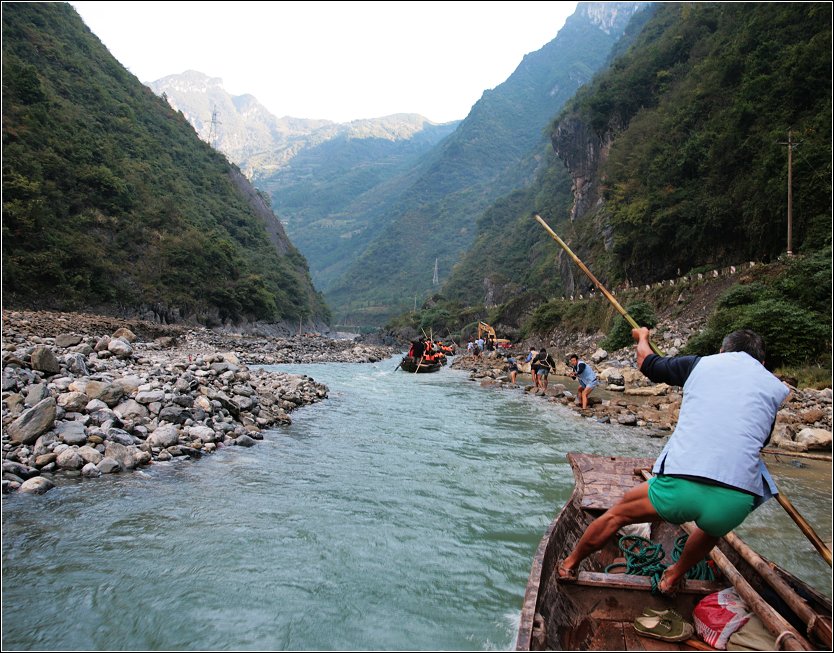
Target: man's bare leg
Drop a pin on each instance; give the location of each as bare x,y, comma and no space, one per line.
634,507
698,545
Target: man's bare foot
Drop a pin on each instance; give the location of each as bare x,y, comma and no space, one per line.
668,587
565,573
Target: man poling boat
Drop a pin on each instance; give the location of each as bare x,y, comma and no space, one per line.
756,351
709,477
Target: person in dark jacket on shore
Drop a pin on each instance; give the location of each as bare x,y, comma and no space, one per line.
542,365
710,471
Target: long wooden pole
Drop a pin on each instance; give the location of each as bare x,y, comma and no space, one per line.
798,454
790,196
596,282
805,527
800,521
819,627
772,620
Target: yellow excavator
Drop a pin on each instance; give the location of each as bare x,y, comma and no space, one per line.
487,332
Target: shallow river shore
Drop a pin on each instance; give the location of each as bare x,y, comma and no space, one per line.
626,397
86,395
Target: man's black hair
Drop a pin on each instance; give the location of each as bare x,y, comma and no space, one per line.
745,340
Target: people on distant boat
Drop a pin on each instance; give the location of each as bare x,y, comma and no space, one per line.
710,471
587,378
543,364
417,349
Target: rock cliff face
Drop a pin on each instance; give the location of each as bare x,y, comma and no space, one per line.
583,151
610,16
258,141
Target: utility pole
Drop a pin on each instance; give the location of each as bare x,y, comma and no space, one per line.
790,145
436,279
790,195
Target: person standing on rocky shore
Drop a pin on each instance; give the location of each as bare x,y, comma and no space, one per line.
586,376
542,365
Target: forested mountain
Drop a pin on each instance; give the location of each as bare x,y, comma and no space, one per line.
677,157
112,203
312,169
316,193
429,213
283,154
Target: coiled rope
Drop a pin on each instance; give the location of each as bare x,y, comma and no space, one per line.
644,558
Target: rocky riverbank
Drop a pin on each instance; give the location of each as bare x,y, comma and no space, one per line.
626,397
86,395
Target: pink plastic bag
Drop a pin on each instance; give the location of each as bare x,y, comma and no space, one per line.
719,615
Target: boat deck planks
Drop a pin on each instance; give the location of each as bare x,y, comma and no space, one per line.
606,480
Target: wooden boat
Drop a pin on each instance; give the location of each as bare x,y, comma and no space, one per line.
409,364
597,610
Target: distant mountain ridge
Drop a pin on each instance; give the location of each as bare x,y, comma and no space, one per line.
256,140
312,169
110,202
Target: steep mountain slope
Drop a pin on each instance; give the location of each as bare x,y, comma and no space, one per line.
316,190
677,156
429,213
110,201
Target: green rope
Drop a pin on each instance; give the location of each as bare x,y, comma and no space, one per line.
644,558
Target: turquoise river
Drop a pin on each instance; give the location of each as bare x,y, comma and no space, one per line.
401,513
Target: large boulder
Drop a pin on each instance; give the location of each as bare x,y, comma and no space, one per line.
33,422
44,360
810,438
164,436
36,485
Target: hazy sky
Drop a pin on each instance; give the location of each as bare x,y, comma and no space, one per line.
334,60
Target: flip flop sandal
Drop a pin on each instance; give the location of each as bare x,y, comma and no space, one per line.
666,628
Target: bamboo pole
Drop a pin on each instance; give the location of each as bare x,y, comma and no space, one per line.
596,282
819,627
805,527
772,620
798,454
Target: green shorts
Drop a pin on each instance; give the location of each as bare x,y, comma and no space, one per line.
715,510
